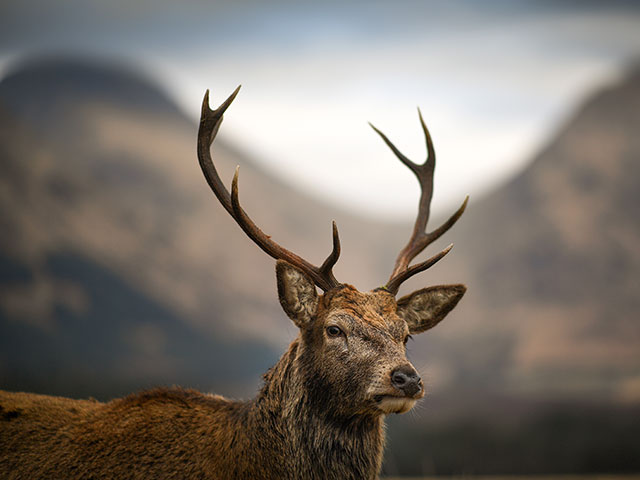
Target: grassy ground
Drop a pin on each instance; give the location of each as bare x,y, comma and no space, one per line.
635,476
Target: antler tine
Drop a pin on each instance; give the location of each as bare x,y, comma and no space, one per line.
323,277
210,121
209,124
431,152
394,282
331,260
420,238
412,166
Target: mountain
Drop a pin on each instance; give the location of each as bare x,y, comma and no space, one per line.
555,256
539,371
119,270
100,179
72,322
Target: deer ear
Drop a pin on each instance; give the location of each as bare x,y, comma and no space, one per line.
297,294
424,309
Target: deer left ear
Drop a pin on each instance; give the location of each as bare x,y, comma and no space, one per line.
424,309
297,294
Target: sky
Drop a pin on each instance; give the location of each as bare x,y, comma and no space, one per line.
494,80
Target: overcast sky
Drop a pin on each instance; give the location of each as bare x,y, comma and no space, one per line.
494,79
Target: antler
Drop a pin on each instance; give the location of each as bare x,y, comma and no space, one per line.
419,238
210,121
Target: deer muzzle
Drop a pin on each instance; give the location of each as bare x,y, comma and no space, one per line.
407,380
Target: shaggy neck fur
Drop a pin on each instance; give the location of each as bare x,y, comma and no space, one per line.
314,442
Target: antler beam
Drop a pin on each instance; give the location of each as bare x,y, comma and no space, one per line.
210,121
420,238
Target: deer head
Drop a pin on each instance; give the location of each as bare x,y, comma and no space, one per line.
351,348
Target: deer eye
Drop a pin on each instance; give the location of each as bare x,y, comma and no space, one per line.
333,331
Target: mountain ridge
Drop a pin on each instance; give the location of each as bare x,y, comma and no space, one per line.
529,251
95,187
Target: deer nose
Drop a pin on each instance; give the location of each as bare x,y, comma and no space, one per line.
406,378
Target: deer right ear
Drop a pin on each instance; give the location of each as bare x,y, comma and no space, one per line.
424,309
297,294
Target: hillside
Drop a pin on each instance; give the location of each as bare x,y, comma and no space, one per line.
119,270
539,372
556,256
99,167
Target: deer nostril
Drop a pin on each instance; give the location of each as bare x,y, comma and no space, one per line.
399,379
406,379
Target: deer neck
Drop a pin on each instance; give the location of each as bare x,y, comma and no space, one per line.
317,441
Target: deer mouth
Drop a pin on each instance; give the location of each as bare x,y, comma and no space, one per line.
394,404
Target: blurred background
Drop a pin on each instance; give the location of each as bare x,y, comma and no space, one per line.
119,271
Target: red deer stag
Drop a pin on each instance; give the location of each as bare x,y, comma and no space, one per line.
321,410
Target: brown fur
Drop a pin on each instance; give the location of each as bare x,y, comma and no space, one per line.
319,414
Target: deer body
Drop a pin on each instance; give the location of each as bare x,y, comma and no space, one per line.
178,434
316,417
320,412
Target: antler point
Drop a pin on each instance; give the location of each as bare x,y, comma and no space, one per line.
234,183
205,102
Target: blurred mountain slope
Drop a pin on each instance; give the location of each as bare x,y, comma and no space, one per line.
540,370
119,270
98,163
71,323
99,167
555,255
